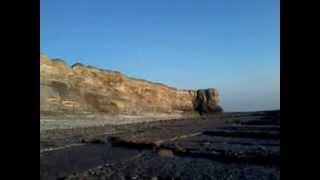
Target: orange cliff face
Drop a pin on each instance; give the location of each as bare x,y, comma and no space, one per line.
84,90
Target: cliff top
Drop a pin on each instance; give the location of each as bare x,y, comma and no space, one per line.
76,65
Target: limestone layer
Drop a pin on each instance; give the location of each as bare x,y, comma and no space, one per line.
81,90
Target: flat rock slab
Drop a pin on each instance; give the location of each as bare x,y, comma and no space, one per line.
150,166
257,134
227,149
168,132
61,137
202,148
252,127
153,131
60,163
204,139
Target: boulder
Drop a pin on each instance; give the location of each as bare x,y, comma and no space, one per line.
207,101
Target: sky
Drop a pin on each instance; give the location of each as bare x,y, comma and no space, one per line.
230,45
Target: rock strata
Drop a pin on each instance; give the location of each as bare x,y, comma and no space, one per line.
85,90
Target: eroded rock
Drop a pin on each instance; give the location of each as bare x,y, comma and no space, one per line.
85,91
207,101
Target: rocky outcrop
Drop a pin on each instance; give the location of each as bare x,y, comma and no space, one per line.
85,90
207,101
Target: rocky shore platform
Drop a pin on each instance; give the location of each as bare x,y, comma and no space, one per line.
240,145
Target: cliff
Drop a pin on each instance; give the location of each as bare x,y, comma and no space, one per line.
84,90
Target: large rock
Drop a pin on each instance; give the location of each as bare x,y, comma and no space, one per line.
85,90
207,101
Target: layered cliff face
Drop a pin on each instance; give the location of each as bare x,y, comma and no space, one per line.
84,90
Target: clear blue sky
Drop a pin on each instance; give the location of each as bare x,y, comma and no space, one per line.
231,45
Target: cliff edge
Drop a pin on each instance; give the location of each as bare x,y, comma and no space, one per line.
84,90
